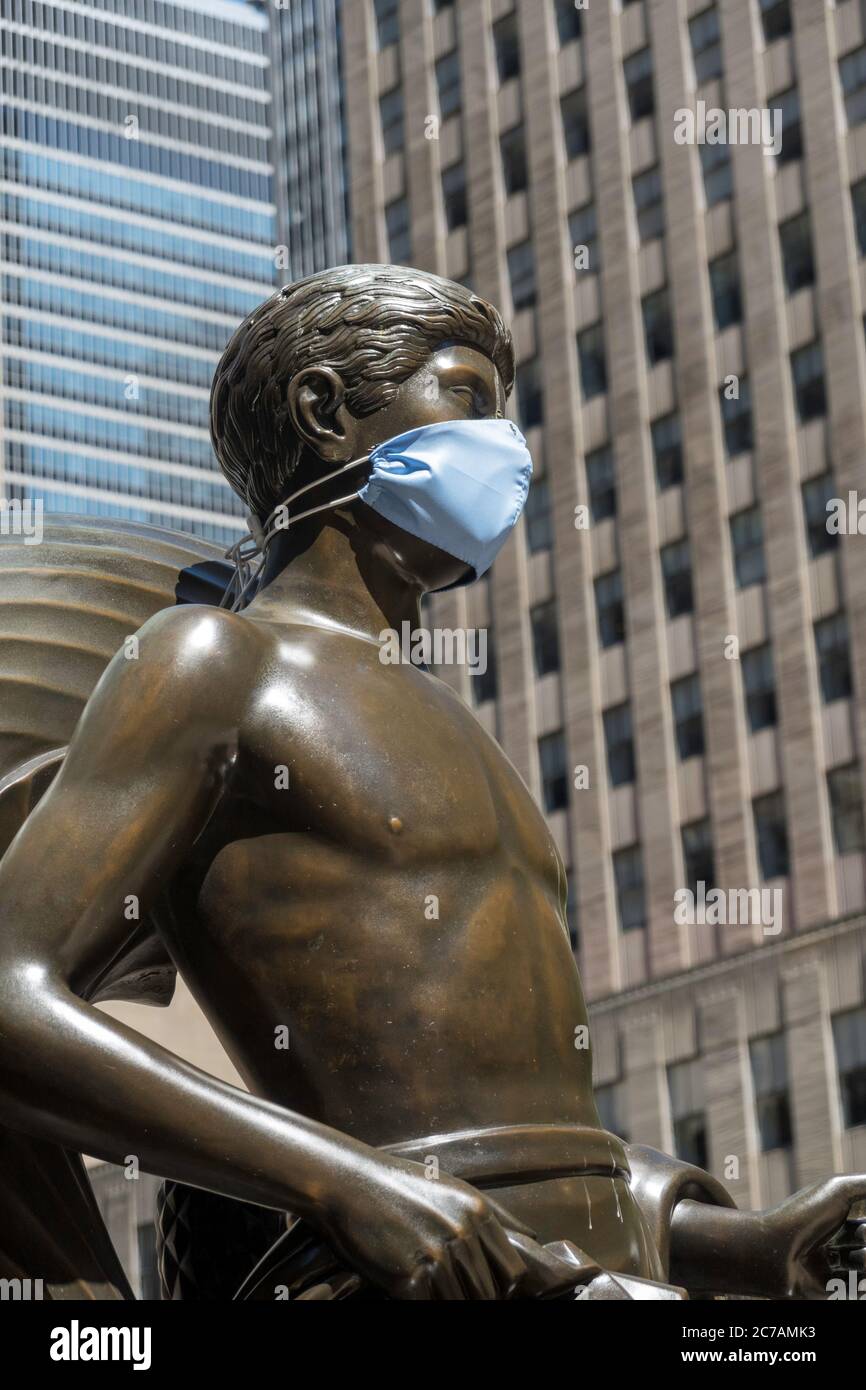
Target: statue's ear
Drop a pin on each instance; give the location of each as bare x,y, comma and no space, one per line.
316,401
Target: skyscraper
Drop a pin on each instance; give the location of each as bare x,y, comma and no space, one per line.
309,136
138,227
679,638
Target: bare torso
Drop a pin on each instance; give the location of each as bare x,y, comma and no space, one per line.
388,891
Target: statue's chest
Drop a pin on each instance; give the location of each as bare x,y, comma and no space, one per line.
396,764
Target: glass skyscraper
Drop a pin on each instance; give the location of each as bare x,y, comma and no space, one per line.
309,136
137,227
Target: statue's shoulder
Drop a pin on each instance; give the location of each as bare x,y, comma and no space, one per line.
195,659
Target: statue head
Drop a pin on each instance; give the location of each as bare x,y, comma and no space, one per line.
333,365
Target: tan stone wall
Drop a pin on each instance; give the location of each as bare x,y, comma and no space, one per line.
809,737
713,1012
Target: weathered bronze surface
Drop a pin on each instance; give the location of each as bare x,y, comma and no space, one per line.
256,800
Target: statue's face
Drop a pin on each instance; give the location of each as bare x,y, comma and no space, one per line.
456,383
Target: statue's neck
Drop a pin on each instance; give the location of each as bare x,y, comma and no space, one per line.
336,572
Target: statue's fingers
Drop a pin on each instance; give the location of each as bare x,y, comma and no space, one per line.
447,1286
502,1251
507,1218
473,1269
829,1205
545,1272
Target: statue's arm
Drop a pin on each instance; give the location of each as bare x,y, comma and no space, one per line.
721,1249
144,772
708,1246
794,1250
145,769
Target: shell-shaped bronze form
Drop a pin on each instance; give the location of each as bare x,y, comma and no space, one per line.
66,605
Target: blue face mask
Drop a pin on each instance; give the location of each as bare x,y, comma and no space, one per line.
460,485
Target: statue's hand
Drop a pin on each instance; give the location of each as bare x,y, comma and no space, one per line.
802,1231
422,1238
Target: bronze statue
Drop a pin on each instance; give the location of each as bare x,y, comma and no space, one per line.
254,799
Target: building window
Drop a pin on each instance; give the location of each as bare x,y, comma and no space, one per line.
725,290
539,528
688,717
658,326
849,1035
506,43
454,196
771,835
834,658
852,70
792,131
619,743
737,419
770,1079
686,1089
530,396
807,369
399,237
858,202
610,609
593,369
545,638
717,172
638,71
512,146
698,859
817,492
846,809
391,113
571,912
583,230
567,21
647,189
521,274
485,685
776,18
706,45
667,451
759,685
554,777
747,541
677,576
148,1263
387,21
609,1104
630,899
575,123
601,482
448,83
798,263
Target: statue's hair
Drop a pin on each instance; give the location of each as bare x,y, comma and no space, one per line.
373,324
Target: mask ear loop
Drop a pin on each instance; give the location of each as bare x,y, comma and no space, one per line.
254,544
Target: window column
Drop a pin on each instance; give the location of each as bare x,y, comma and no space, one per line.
668,944
571,556
776,449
